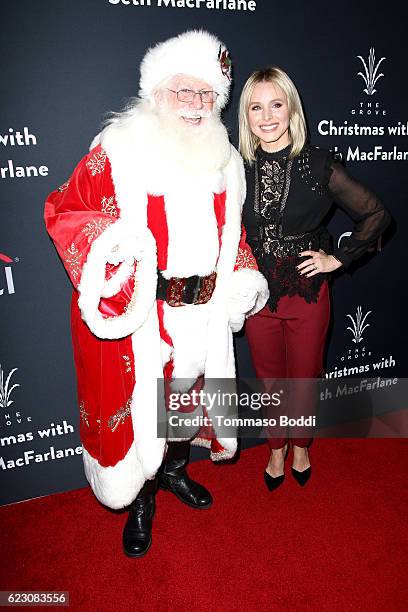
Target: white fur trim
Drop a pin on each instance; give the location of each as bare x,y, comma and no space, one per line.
192,229
224,454
215,456
121,143
206,327
203,442
236,190
93,280
115,486
96,140
220,361
187,328
229,445
113,285
193,53
149,379
166,352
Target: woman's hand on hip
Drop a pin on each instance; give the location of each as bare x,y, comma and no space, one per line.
317,262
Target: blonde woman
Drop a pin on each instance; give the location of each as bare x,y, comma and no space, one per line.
291,186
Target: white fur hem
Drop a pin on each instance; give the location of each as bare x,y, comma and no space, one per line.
229,445
225,453
146,344
116,486
203,442
222,455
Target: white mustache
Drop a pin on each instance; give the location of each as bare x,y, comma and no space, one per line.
192,114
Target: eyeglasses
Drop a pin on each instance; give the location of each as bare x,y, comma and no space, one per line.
188,95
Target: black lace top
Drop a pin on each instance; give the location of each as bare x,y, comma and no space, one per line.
287,201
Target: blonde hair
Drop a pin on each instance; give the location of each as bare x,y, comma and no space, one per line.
248,142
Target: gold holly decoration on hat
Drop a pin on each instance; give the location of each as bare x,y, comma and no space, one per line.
225,62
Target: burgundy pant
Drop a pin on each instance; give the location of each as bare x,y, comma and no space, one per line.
289,343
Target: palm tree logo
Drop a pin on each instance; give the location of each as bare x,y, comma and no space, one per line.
5,389
370,75
359,324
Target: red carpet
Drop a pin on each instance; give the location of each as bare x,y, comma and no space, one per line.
339,544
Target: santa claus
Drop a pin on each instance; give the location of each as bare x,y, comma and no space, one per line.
149,230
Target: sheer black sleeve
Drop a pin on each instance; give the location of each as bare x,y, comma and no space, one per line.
369,215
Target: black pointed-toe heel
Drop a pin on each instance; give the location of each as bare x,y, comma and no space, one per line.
302,477
273,482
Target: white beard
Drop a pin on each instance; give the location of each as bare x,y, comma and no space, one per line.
171,147
195,149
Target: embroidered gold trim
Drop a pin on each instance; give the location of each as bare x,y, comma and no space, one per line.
83,413
63,187
128,363
96,165
94,228
73,260
245,260
119,417
108,206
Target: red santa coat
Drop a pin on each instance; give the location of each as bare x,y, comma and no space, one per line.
124,339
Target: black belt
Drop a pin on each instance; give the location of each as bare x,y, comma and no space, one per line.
181,291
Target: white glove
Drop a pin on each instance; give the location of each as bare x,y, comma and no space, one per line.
238,305
128,249
245,299
236,322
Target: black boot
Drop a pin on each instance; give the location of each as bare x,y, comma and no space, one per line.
173,477
137,534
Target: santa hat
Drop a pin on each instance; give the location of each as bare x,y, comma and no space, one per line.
196,53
